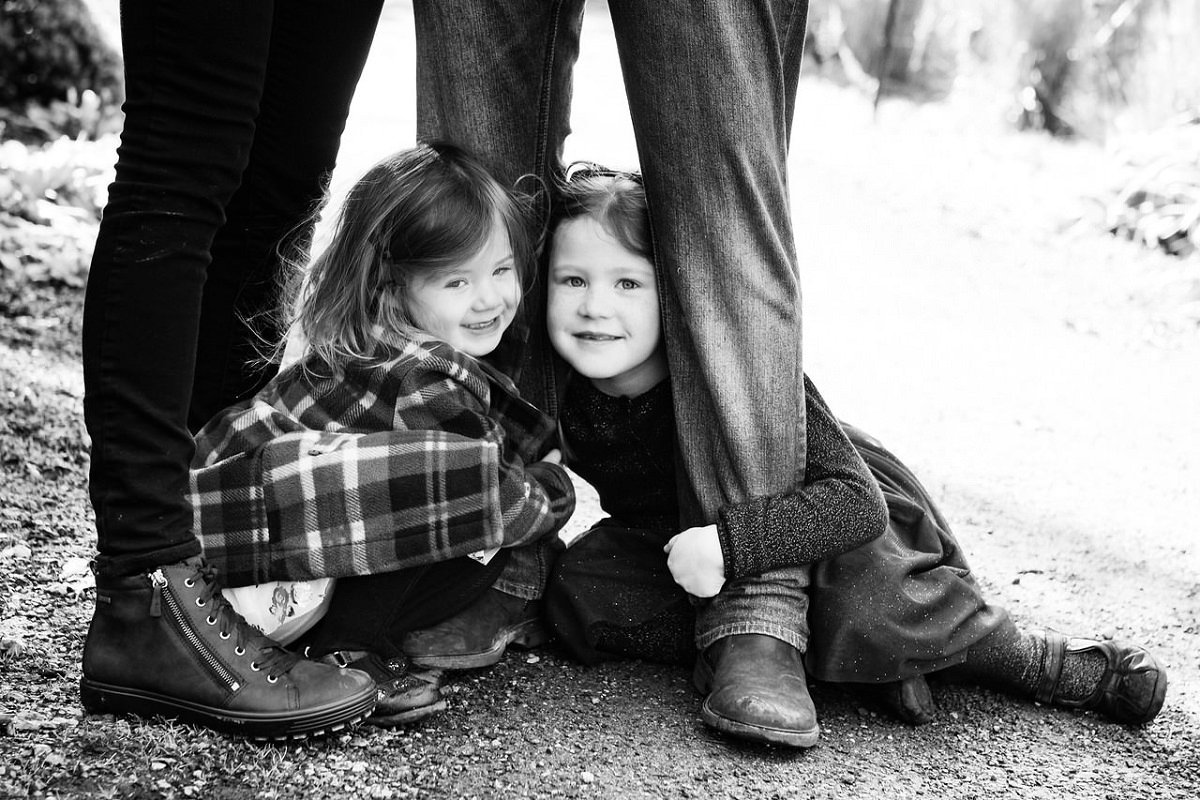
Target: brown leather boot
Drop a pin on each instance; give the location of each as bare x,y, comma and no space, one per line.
756,689
168,644
478,635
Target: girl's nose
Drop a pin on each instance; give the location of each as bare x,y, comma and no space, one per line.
596,303
488,295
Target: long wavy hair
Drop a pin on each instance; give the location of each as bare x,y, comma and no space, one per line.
415,213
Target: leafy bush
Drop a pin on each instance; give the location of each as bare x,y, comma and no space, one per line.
1159,204
50,203
49,48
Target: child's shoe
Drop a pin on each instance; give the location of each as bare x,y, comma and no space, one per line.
909,699
168,644
756,689
403,694
478,635
1131,690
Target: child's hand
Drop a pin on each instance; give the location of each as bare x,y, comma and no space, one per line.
553,457
695,560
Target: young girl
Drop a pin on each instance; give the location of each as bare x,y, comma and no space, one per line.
885,613
391,457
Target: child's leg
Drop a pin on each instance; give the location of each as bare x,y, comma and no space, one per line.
1123,682
507,613
611,596
368,617
751,667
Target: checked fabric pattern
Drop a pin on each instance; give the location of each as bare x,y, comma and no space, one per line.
428,457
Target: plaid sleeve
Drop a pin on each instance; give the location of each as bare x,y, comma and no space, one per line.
317,504
275,500
536,500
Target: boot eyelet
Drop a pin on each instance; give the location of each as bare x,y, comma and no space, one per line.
240,651
272,679
189,583
200,602
210,620
224,635
254,666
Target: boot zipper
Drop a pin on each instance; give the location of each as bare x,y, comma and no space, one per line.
162,592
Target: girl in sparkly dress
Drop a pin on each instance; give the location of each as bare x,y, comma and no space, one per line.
853,577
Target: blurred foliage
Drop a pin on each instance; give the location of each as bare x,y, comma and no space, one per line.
1070,67
60,85
50,47
1159,203
51,197
1104,70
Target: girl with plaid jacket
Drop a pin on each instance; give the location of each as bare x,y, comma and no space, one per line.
390,457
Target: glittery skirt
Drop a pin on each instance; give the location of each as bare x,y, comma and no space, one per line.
901,605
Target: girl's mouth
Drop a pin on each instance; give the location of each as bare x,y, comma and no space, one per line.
591,336
480,327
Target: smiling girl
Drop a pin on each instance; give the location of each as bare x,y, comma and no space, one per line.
853,577
390,457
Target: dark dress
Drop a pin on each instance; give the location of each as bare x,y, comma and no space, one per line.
902,604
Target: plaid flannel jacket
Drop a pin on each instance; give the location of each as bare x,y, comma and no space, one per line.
376,469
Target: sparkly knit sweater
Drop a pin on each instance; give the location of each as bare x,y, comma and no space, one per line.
625,448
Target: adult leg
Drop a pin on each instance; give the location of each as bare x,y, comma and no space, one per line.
318,50
495,79
162,640
711,90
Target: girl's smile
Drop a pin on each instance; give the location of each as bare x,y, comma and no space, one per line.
469,305
602,311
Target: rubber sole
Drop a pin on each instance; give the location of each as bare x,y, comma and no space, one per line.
101,698
527,634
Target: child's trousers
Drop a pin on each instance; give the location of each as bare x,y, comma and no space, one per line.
612,595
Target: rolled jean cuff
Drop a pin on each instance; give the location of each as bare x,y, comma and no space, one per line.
127,564
525,573
797,637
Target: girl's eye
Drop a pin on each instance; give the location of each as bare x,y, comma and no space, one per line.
573,281
504,270
628,284
455,283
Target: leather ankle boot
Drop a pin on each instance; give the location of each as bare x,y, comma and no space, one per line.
403,693
168,644
477,636
756,689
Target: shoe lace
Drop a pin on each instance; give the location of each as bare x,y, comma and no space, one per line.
274,658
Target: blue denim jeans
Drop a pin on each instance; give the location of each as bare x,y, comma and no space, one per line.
234,112
711,87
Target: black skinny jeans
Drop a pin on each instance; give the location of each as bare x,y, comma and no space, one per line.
234,113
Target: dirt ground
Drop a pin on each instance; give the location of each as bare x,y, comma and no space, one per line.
960,304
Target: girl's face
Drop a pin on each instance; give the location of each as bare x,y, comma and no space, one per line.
469,306
602,311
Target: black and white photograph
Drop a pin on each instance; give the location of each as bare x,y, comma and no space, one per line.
420,399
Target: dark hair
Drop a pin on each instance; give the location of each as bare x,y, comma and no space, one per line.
616,199
419,211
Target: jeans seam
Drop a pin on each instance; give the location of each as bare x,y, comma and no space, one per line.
795,637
